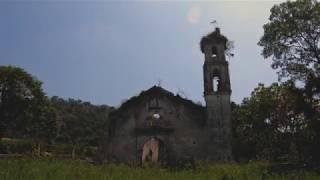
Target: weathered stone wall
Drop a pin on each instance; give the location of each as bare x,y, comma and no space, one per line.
219,127
180,128
218,107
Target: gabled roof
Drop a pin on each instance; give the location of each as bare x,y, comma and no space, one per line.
120,115
157,91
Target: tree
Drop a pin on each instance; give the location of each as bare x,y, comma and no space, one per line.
24,109
41,123
269,123
80,123
251,120
292,39
17,89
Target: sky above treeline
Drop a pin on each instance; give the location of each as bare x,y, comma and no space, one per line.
107,51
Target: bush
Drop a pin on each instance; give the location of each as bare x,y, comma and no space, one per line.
8,146
27,147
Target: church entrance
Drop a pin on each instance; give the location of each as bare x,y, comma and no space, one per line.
153,151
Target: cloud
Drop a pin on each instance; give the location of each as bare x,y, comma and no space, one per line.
194,15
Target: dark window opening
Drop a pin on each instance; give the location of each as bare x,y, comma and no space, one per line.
154,105
214,51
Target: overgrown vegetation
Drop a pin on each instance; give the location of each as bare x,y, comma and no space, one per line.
27,113
281,122
80,123
272,125
28,148
51,169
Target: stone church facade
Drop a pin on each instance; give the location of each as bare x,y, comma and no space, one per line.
158,126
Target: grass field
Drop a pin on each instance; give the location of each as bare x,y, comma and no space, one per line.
45,169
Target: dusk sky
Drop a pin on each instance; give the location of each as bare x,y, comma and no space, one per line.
106,51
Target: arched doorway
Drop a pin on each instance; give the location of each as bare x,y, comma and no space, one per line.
153,151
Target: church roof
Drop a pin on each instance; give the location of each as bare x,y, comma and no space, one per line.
157,91
120,115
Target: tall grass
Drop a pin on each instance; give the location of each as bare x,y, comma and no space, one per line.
45,169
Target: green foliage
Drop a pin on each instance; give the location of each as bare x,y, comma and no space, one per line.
42,124
16,147
24,108
292,39
270,124
25,112
80,123
65,169
28,148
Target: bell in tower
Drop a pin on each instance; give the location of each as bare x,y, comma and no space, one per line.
217,94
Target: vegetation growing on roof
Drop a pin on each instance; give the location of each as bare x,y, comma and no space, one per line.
155,91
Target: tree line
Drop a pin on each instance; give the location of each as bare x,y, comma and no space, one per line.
26,112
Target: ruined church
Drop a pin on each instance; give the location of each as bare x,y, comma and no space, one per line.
159,126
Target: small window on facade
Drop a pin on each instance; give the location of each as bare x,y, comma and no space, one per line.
214,51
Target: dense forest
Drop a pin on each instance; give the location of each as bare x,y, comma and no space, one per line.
79,122
27,113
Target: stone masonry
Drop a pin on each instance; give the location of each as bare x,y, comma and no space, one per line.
158,126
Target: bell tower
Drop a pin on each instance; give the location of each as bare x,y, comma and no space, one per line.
217,94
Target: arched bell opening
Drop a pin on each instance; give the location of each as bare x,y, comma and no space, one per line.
215,84
214,51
